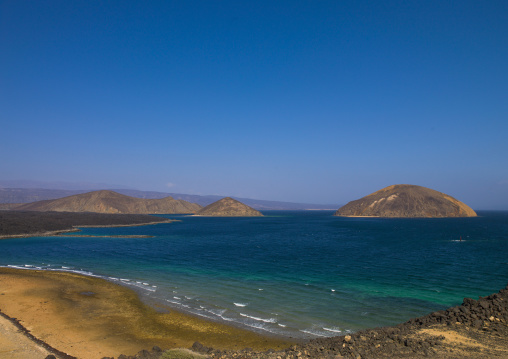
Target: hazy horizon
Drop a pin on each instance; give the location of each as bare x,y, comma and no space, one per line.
286,101
82,187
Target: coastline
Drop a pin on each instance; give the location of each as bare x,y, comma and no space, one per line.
77,316
89,317
40,234
402,338
67,222
74,230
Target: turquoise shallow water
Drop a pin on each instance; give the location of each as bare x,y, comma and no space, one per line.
297,273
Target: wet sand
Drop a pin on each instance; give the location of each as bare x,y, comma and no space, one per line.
88,317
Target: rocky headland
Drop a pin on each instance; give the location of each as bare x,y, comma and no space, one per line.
28,223
405,200
111,202
228,207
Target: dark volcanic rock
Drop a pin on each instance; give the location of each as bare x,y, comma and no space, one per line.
228,207
489,314
406,201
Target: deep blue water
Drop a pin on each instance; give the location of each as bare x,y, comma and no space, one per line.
296,273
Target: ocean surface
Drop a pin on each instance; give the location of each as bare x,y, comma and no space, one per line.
302,274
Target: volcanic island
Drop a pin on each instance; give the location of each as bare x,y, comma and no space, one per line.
404,200
228,207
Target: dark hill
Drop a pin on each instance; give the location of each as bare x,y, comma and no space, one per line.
228,207
406,201
111,202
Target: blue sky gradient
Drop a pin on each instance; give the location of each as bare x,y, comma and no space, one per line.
304,101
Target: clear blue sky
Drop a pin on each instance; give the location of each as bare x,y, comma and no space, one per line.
304,101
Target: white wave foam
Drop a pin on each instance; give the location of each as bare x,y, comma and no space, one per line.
14,266
313,332
334,330
217,312
240,304
257,326
125,281
270,320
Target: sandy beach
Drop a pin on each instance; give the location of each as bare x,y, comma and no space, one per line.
75,316
91,318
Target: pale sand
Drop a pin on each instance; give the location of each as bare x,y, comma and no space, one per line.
59,309
14,345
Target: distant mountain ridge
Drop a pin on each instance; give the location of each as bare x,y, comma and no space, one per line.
228,207
405,200
26,195
111,202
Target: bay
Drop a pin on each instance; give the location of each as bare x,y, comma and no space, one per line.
302,274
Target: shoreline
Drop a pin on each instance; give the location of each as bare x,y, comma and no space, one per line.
76,229
80,314
86,317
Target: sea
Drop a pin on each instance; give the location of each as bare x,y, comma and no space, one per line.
299,274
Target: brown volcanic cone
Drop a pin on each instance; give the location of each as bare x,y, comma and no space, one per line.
228,207
404,200
111,202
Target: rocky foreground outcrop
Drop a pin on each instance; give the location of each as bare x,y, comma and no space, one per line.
111,202
228,207
475,329
405,200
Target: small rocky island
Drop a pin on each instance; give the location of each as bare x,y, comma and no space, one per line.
228,207
405,200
